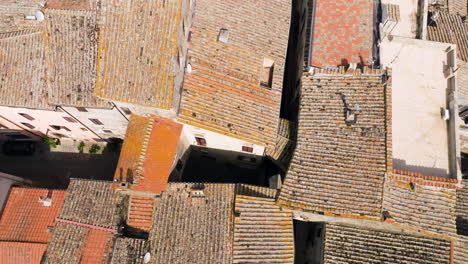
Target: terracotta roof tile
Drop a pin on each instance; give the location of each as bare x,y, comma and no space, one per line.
342,31
339,167
350,244
12,14
91,202
263,232
148,153
222,93
18,252
71,47
462,210
76,244
193,228
450,29
461,250
138,46
72,4
424,208
25,218
22,70
129,250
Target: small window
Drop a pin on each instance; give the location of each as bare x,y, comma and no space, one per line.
99,140
28,125
65,128
83,129
247,149
70,119
82,109
96,121
223,35
26,116
107,131
126,110
55,127
266,74
200,141
59,135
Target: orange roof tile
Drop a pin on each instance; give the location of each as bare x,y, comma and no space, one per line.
72,4
148,153
96,246
342,32
27,219
24,253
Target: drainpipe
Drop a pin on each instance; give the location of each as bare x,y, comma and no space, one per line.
118,110
58,106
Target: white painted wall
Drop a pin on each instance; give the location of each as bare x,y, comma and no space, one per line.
43,119
218,141
112,120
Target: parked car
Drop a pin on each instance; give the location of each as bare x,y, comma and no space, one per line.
19,148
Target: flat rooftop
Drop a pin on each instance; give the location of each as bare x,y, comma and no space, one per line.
419,90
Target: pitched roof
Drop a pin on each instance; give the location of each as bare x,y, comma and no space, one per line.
91,202
222,93
461,210
339,167
12,14
71,47
72,4
78,244
263,232
19,252
22,70
351,244
425,208
138,45
129,250
342,33
461,250
148,153
25,218
450,29
193,228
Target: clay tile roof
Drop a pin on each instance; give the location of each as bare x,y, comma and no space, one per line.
91,202
77,244
25,218
450,29
193,228
19,252
263,232
72,4
71,47
339,167
426,208
342,33
22,70
138,46
462,209
350,244
223,93
461,250
148,153
12,14
129,250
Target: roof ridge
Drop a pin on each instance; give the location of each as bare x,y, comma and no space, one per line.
19,33
70,11
144,149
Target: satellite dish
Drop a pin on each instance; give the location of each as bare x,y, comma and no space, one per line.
39,16
189,68
147,257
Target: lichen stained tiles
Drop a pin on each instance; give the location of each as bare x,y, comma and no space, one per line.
222,93
337,167
137,50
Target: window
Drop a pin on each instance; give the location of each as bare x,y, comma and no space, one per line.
83,129
82,109
59,135
126,110
247,149
96,121
107,131
65,128
28,125
266,74
70,119
200,141
55,127
26,116
223,35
